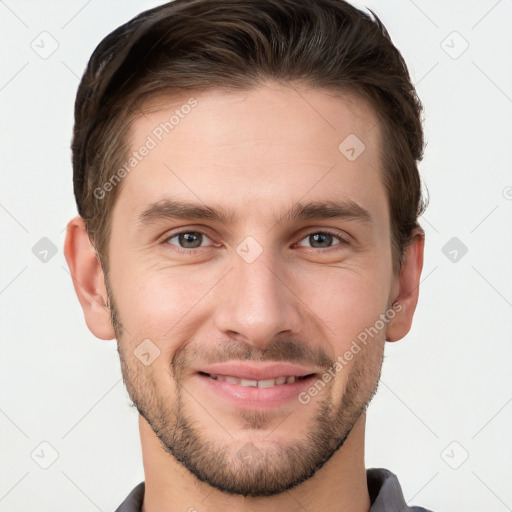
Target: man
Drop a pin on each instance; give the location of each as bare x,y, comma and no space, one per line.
248,194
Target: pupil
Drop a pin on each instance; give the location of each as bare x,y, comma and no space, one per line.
190,240
321,238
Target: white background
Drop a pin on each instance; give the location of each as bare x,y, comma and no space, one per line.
446,389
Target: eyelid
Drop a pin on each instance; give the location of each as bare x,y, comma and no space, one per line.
170,235
343,239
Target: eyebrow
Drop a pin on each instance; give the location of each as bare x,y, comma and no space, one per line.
314,210
343,210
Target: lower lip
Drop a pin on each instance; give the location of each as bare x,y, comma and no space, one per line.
251,397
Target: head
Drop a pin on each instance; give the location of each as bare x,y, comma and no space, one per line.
246,178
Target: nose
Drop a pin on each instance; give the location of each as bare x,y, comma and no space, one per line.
257,303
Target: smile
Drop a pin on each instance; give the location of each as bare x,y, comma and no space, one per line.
267,383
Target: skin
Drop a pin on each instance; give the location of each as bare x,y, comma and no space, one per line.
257,153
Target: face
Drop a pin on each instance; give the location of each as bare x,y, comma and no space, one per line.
248,254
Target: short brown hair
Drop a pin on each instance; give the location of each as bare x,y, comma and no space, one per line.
198,45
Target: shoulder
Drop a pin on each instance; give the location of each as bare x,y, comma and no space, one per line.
386,493
133,502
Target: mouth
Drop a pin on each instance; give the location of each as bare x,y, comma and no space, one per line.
250,386
266,383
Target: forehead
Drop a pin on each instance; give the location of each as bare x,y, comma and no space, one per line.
273,144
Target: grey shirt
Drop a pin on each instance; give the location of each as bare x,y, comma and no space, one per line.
383,487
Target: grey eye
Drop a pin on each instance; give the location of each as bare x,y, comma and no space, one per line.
189,239
320,240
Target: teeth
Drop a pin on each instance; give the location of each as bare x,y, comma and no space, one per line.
268,383
246,382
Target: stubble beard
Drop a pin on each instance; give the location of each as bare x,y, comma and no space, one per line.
247,469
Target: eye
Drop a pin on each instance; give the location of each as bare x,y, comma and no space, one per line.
188,239
322,240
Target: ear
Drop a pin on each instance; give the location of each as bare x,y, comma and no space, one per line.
407,288
88,279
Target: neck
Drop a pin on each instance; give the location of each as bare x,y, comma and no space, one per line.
340,485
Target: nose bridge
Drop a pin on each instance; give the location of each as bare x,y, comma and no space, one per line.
256,303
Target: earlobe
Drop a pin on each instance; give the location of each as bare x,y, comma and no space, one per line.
88,279
408,288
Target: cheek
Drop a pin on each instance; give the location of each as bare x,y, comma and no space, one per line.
158,303
347,300
162,303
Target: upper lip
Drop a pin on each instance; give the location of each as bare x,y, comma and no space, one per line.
257,371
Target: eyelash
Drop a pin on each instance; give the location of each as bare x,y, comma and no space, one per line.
342,241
